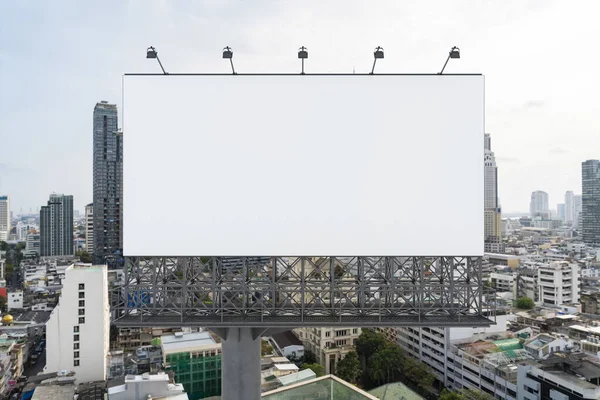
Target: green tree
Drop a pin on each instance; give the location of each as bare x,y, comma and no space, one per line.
449,395
84,257
348,368
3,306
525,303
471,394
385,364
316,368
3,246
367,344
265,348
309,357
417,372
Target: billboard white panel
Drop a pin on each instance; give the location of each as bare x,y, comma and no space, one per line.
292,165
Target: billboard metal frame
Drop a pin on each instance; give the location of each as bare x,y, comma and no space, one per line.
288,292
282,292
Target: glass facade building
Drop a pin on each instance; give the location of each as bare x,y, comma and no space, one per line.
108,186
56,226
590,202
198,371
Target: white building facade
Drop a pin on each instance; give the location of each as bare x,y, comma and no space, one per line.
432,345
569,207
329,345
14,300
538,206
78,330
558,283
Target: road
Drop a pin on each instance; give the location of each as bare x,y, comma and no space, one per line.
38,367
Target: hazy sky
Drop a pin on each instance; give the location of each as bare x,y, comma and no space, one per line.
58,58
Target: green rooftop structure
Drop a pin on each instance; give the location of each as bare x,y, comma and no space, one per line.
195,360
509,344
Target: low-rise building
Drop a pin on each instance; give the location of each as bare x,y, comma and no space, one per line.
504,282
146,386
14,300
288,344
329,345
558,283
509,260
562,376
195,360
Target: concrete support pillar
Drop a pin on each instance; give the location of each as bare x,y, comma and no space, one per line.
240,363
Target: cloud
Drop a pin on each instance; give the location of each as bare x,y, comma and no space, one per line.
9,168
533,104
508,159
558,150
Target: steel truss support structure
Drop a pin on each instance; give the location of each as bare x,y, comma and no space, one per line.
288,292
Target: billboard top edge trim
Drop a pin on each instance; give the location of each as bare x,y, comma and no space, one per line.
294,74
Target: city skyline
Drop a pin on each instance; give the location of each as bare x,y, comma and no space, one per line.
528,118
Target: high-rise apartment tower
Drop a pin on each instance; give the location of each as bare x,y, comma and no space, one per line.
590,201
108,186
4,218
56,226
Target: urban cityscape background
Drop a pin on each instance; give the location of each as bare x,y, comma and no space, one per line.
61,256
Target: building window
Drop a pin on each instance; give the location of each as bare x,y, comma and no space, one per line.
76,338
76,346
354,331
81,311
327,334
82,320
76,329
76,363
81,303
75,354
82,295
81,286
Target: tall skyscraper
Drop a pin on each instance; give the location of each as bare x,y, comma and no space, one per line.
576,210
538,206
492,212
56,226
569,207
108,185
561,212
590,201
89,228
4,218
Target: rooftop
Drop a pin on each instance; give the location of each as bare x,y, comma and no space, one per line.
540,341
54,392
573,363
286,367
297,377
287,338
185,341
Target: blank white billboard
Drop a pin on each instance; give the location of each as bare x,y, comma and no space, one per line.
299,165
